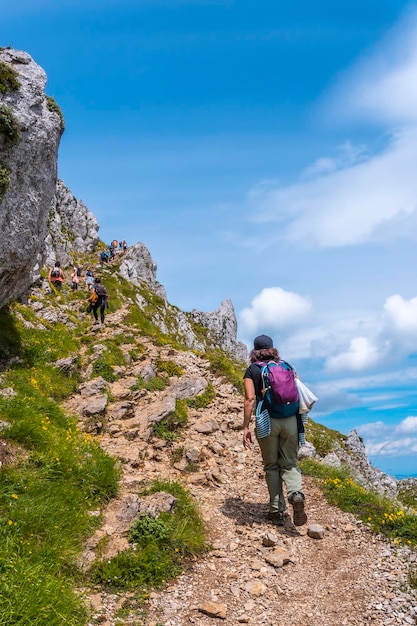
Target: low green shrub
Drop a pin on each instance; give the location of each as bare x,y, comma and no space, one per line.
154,384
159,545
203,399
4,179
102,368
111,357
221,365
10,339
169,367
9,128
171,427
55,108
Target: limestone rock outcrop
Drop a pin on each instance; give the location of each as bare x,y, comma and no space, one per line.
362,470
30,130
72,228
222,327
138,267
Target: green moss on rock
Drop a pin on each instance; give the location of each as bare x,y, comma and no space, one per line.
8,78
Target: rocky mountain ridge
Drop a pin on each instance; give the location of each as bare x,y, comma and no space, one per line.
252,566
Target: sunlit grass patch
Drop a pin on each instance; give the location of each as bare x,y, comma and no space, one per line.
110,358
169,367
323,439
154,384
382,515
222,365
45,503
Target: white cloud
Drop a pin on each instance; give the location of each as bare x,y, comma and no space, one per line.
394,335
374,429
321,166
356,197
401,314
361,354
348,154
408,425
274,309
332,398
391,447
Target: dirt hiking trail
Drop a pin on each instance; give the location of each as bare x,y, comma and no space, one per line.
256,573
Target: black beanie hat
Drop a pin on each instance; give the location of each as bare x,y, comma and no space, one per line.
261,342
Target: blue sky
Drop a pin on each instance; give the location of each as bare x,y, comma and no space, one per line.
264,152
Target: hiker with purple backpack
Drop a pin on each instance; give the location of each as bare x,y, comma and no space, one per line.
270,388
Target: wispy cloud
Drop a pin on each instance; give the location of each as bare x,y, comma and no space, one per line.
382,86
359,196
371,200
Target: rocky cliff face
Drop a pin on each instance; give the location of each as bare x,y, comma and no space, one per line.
72,228
30,130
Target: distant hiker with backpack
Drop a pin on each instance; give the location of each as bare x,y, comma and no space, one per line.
89,279
75,279
270,387
56,275
98,300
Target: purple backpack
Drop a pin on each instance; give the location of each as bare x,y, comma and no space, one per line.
280,395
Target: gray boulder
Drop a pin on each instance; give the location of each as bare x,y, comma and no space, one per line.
28,165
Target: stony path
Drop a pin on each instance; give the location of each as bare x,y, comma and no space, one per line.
255,573
348,577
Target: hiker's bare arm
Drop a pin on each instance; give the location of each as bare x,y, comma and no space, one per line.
248,405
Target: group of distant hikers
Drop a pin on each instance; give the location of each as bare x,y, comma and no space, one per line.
113,249
98,298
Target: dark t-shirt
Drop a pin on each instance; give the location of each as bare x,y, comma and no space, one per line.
254,372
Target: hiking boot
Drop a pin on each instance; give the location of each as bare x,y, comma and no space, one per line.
297,503
277,517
